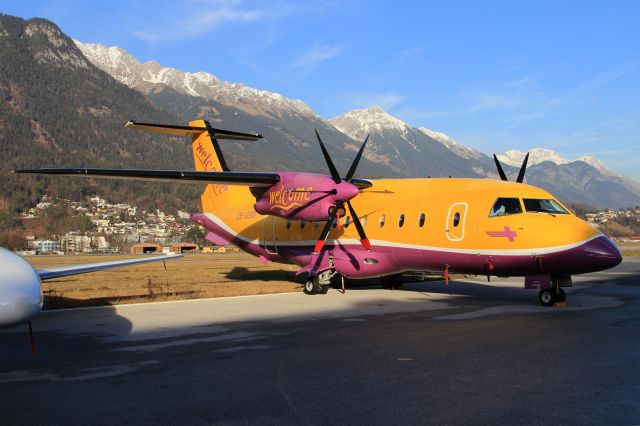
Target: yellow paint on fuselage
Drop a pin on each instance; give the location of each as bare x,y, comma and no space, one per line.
391,198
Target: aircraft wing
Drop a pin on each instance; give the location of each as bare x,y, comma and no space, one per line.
181,176
47,274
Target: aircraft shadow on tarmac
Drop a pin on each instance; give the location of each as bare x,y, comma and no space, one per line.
52,341
486,291
239,273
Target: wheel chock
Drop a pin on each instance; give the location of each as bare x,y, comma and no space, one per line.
560,305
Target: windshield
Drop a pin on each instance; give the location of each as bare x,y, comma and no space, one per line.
533,205
505,206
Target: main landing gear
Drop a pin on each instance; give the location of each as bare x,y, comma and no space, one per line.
320,283
391,282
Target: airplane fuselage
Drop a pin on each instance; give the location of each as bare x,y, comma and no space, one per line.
423,224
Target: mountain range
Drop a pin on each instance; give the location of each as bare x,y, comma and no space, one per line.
396,145
65,103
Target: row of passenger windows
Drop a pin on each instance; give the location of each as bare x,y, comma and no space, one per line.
381,222
507,206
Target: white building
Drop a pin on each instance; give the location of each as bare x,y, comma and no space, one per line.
45,246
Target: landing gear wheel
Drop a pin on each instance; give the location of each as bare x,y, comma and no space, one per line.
561,296
397,284
324,289
391,282
311,287
547,297
386,283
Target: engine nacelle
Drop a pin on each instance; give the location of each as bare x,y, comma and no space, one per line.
303,196
20,290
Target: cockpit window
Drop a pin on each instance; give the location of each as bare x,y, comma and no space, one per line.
505,206
534,205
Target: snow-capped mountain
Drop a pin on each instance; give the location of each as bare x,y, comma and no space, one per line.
538,155
452,144
122,66
358,123
403,146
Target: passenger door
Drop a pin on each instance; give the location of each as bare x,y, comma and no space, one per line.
268,235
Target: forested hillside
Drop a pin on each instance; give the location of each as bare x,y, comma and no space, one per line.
57,109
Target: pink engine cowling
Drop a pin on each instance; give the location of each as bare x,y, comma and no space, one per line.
303,196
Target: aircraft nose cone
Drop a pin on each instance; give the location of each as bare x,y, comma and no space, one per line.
603,252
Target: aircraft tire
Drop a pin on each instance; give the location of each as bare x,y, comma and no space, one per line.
547,297
386,283
561,296
324,289
311,287
397,283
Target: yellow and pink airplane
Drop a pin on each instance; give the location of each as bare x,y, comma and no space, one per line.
358,228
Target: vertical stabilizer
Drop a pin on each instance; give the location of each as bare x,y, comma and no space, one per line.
207,154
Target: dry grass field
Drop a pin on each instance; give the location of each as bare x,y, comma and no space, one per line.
190,277
629,249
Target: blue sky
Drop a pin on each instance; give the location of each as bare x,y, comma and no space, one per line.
495,75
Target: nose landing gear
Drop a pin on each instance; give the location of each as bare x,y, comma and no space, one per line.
551,296
555,294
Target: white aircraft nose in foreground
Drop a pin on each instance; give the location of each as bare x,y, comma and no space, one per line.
21,285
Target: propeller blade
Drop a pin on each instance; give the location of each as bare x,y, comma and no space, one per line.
354,165
325,231
356,221
332,168
499,166
523,168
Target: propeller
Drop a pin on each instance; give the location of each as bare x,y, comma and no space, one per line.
523,168
339,203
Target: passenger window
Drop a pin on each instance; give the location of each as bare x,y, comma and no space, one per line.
421,221
288,224
302,223
335,223
505,206
456,219
347,222
543,206
382,219
401,220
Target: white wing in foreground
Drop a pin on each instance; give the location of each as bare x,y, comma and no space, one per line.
47,274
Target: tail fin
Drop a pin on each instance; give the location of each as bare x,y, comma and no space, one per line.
207,154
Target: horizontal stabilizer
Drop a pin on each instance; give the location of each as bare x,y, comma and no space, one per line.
181,176
172,130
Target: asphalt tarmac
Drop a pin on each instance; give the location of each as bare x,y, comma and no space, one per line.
467,353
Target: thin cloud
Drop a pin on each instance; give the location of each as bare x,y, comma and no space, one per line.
356,100
316,56
574,94
210,15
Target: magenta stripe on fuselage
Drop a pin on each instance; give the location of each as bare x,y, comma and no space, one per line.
351,260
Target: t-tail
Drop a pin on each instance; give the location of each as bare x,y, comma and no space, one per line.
208,157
